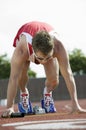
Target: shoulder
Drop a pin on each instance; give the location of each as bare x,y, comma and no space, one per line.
59,48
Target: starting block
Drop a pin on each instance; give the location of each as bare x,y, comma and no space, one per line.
36,111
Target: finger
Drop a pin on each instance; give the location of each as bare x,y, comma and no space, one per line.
5,115
7,112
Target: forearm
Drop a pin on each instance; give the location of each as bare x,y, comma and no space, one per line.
70,82
11,92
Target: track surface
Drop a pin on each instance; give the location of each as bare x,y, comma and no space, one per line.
61,120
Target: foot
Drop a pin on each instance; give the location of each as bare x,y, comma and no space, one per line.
48,103
25,105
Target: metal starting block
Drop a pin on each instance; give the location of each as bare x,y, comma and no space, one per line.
38,110
17,114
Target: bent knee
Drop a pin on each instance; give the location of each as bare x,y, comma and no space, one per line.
55,83
52,83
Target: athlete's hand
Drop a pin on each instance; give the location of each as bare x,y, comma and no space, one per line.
7,113
75,109
78,110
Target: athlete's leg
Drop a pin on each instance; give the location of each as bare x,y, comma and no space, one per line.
24,105
23,77
19,59
52,80
52,74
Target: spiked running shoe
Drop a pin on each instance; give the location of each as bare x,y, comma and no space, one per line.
24,105
48,104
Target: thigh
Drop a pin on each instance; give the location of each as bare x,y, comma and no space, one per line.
18,60
52,69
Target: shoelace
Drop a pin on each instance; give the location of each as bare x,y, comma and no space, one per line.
24,100
48,100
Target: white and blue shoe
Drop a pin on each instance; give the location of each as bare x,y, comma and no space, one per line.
24,105
48,104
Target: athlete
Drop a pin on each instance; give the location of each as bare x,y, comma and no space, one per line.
38,42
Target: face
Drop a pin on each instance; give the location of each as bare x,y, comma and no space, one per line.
42,58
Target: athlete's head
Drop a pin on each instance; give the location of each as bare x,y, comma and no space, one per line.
42,42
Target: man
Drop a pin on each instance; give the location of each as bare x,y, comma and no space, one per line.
38,42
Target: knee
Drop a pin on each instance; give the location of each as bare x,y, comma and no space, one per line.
52,84
55,83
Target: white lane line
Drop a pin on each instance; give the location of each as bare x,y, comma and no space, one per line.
50,124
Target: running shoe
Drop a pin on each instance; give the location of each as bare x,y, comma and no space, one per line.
48,104
24,105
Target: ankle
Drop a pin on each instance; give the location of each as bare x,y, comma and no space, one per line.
25,91
46,92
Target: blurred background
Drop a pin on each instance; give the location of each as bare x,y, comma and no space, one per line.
68,17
